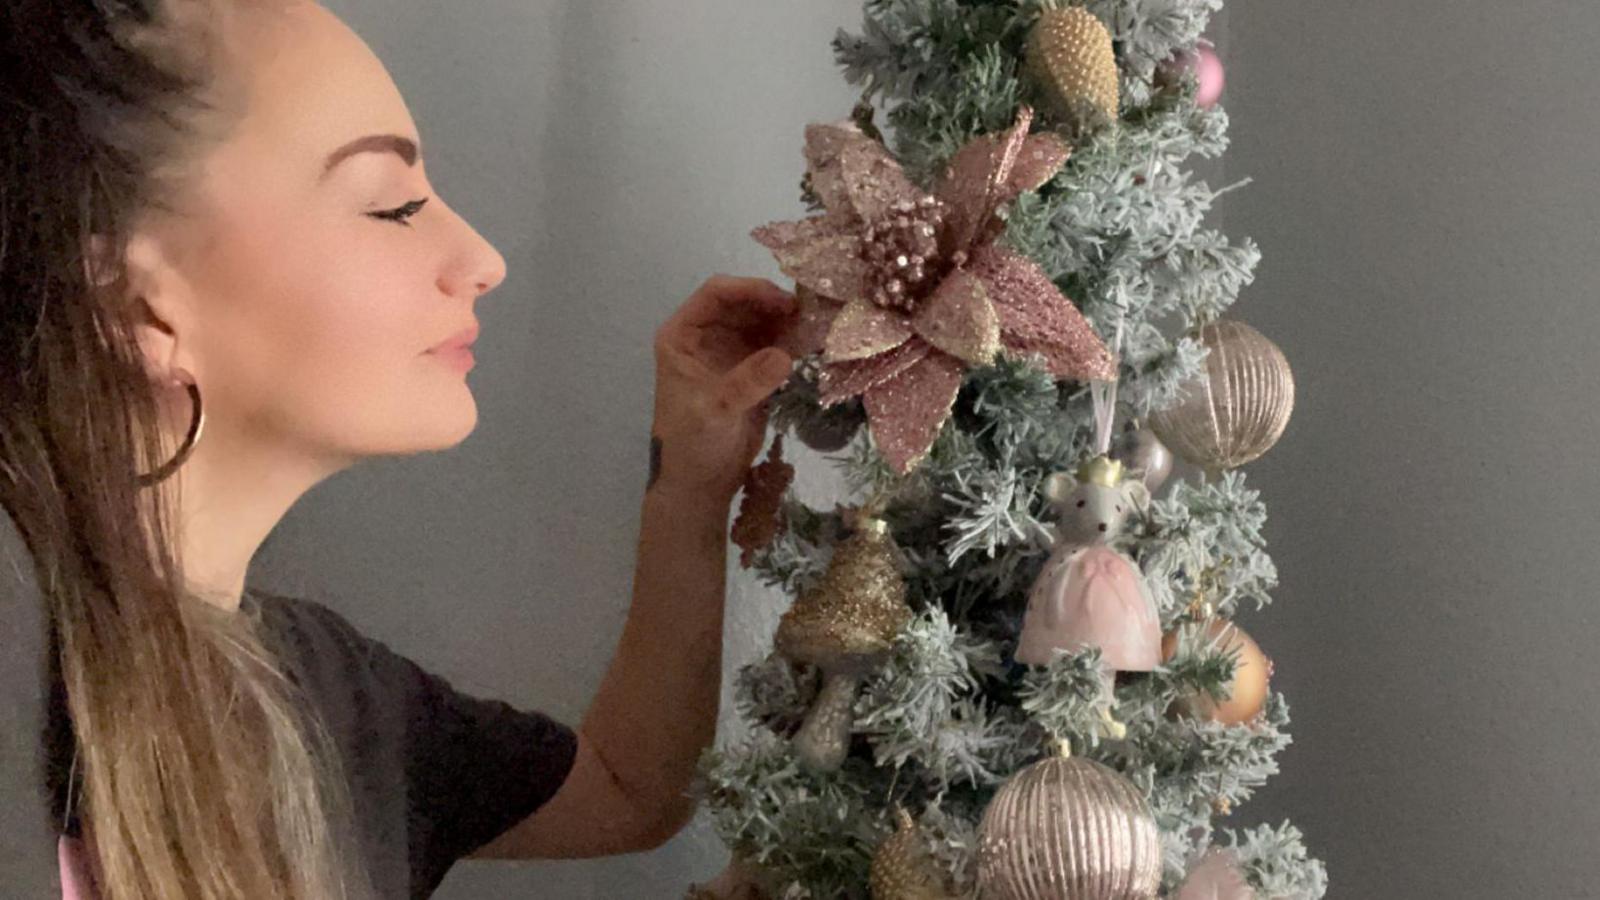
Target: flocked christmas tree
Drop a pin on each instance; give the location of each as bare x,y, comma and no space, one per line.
1011,668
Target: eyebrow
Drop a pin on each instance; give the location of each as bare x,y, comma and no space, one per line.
405,147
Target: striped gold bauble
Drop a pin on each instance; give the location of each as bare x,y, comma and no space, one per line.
1068,828
1070,59
1237,408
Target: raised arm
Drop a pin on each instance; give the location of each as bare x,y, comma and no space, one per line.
656,709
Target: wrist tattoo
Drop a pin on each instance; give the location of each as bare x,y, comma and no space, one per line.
655,461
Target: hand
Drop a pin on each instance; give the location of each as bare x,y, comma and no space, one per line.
716,364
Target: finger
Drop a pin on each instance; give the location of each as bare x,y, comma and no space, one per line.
754,379
736,303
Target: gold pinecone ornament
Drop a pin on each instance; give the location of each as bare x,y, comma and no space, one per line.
845,626
1069,58
902,870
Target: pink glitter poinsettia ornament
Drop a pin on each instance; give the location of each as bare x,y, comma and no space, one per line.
902,291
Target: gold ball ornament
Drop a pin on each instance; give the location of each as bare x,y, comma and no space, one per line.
1237,408
845,626
902,870
1251,675
1068,827
1069,57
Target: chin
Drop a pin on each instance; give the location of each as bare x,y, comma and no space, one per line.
461,429
441,420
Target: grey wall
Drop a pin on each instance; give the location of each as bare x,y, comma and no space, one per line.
1424,197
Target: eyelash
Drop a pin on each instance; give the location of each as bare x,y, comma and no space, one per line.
401,214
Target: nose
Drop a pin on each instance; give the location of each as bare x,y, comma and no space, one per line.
476,268
1101,526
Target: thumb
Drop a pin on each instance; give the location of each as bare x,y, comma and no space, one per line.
755,377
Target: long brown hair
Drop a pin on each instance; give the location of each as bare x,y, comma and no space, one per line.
203,775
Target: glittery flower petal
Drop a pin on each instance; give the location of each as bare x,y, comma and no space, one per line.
821,252
824,143
864,329
959,319
991,170
816,315
964,189
974,179
875,180
839,382
1041,157
854,175
1036,317
906,412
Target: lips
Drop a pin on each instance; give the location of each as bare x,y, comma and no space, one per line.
459,340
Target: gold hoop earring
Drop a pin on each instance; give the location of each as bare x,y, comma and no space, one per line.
197,421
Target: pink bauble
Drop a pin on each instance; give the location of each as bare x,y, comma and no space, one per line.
1216,876
1207,68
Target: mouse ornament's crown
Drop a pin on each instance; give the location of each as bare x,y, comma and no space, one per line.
1102,470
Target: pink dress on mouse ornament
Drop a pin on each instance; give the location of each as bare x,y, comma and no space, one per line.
1088,594
1091,595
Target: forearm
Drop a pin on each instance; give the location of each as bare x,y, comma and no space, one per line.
657,705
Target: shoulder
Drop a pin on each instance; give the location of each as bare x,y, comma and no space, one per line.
335,655
317,643
304,619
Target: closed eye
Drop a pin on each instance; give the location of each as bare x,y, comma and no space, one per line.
401,214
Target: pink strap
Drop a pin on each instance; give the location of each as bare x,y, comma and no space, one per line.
77,876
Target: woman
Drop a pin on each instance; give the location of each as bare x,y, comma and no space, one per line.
223,278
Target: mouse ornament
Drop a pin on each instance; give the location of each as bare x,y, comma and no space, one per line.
1089,594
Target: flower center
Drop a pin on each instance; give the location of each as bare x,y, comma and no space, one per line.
899,250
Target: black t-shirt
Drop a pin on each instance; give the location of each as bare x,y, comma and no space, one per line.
434,773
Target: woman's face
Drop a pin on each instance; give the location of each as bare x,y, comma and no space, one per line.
302,313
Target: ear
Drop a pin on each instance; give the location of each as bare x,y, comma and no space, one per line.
1060,486
1138,493
164,308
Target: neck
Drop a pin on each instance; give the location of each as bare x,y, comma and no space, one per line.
228,496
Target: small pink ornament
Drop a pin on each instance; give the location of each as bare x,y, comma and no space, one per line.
1088,594
1216,876
1207,68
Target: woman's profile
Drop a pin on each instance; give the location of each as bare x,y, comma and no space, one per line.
224,278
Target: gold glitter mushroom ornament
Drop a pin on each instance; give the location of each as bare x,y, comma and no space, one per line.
901,291
845,626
